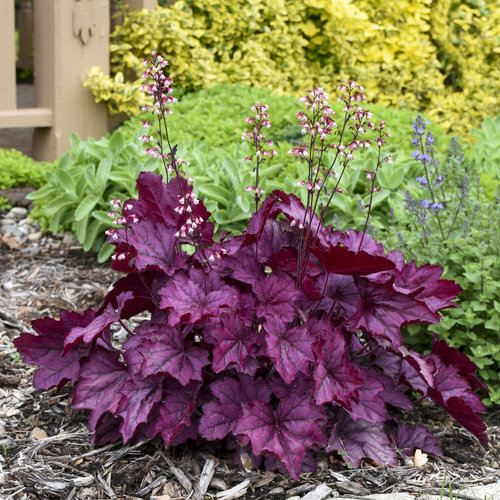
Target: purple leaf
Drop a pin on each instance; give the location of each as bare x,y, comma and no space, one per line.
341,296
453,393
383,311
189,299
174,412
434,292
335,377
258,221
140,284
408,440
286,432
161,350
138,400
369,405
220,416
97,326
291,206
341,260
45,349
357,440
156,247
234,342
276,295
289,348
451,356
98,390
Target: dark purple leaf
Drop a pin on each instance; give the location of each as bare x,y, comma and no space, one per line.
258,221
276,295
335,377
286,432
291,206
407,440
98,390
289,348
369,406
139,399
436,293
190,299
45,349
140,284
161,350
174,412
98,325
220,416
157,247
234,342
341,260
383,311
451,356
357,440
341,296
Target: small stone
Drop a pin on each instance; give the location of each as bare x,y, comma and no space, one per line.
17,212
38,433
7,222
35,236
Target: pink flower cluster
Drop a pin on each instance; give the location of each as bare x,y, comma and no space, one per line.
256,137
161,88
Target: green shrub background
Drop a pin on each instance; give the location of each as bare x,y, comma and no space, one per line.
438,56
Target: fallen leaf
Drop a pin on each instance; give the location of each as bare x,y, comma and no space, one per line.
78,461
38,433
10,241
419,459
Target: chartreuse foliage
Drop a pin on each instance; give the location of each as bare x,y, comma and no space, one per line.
445,217
439,56
17,169
275,343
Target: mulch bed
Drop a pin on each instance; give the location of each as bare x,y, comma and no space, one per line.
44,443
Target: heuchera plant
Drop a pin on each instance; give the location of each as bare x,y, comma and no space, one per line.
275,343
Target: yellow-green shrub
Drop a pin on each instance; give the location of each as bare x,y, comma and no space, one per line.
438,56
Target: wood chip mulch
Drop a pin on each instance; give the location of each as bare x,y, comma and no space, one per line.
44,444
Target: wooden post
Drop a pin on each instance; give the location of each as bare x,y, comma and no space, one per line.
7,56
25,29
71,36
141,4
116,18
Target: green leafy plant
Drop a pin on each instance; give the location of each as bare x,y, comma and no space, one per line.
76,195
444,217
485,154
17,169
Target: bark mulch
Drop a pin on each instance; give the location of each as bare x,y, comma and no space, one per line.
44,445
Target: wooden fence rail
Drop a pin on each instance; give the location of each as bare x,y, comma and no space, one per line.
68,38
